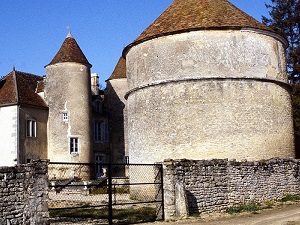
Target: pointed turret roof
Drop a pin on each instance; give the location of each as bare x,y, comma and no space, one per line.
188,15
70,52
119,71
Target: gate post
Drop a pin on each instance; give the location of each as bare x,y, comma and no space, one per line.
169,190
175,199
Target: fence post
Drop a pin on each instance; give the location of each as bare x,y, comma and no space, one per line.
162,190
110,210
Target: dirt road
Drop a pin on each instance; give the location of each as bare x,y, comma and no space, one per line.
285,215
281,215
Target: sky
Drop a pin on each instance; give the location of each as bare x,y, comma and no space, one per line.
32,31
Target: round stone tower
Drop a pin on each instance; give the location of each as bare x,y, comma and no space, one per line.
207,81
68,95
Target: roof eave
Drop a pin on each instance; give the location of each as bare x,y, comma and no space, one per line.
9,104
266,32
85,64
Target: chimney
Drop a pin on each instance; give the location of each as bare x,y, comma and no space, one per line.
95,83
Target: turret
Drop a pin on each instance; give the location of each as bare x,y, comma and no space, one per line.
68,95
207,81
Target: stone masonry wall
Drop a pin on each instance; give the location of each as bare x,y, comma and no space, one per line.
212,94
23,194
212,185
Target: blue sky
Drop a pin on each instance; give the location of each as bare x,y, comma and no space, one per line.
32,31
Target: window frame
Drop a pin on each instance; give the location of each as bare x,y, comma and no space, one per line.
31,128
101,131
65,117
97,131
74,146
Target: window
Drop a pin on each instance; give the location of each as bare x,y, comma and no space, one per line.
126,159
101,131
31,128
97,131
105,131
65,117
73,145
98,106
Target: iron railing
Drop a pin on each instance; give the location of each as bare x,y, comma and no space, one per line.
94,190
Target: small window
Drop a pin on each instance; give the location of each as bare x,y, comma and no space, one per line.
74,146
65,117
31,128
126,159
98,106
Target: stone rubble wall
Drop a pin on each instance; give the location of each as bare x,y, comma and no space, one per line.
206,186
24,194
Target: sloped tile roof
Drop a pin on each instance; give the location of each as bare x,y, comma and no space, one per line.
188,15
70,52
8,93
20,88
119,71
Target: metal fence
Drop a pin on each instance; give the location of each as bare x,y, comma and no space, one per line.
84,191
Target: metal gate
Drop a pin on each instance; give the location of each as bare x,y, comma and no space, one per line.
121,194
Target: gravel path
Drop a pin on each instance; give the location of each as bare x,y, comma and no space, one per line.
284,215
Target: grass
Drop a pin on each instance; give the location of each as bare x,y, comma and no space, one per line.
290,198
142,214
251,207
104,190
254,207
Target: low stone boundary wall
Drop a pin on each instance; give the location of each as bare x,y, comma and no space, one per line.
205,186
24,194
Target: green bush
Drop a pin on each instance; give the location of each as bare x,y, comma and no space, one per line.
291,198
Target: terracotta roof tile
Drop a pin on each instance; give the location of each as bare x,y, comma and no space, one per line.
70,52
188,15
8,92
20,88
120,70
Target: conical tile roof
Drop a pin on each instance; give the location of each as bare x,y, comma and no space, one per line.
188,15
70,52
119,71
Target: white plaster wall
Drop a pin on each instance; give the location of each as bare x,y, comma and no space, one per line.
9,135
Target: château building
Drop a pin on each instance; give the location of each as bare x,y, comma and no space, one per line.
204,80
59,116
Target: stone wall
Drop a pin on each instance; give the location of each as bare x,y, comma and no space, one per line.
23,194
206,186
